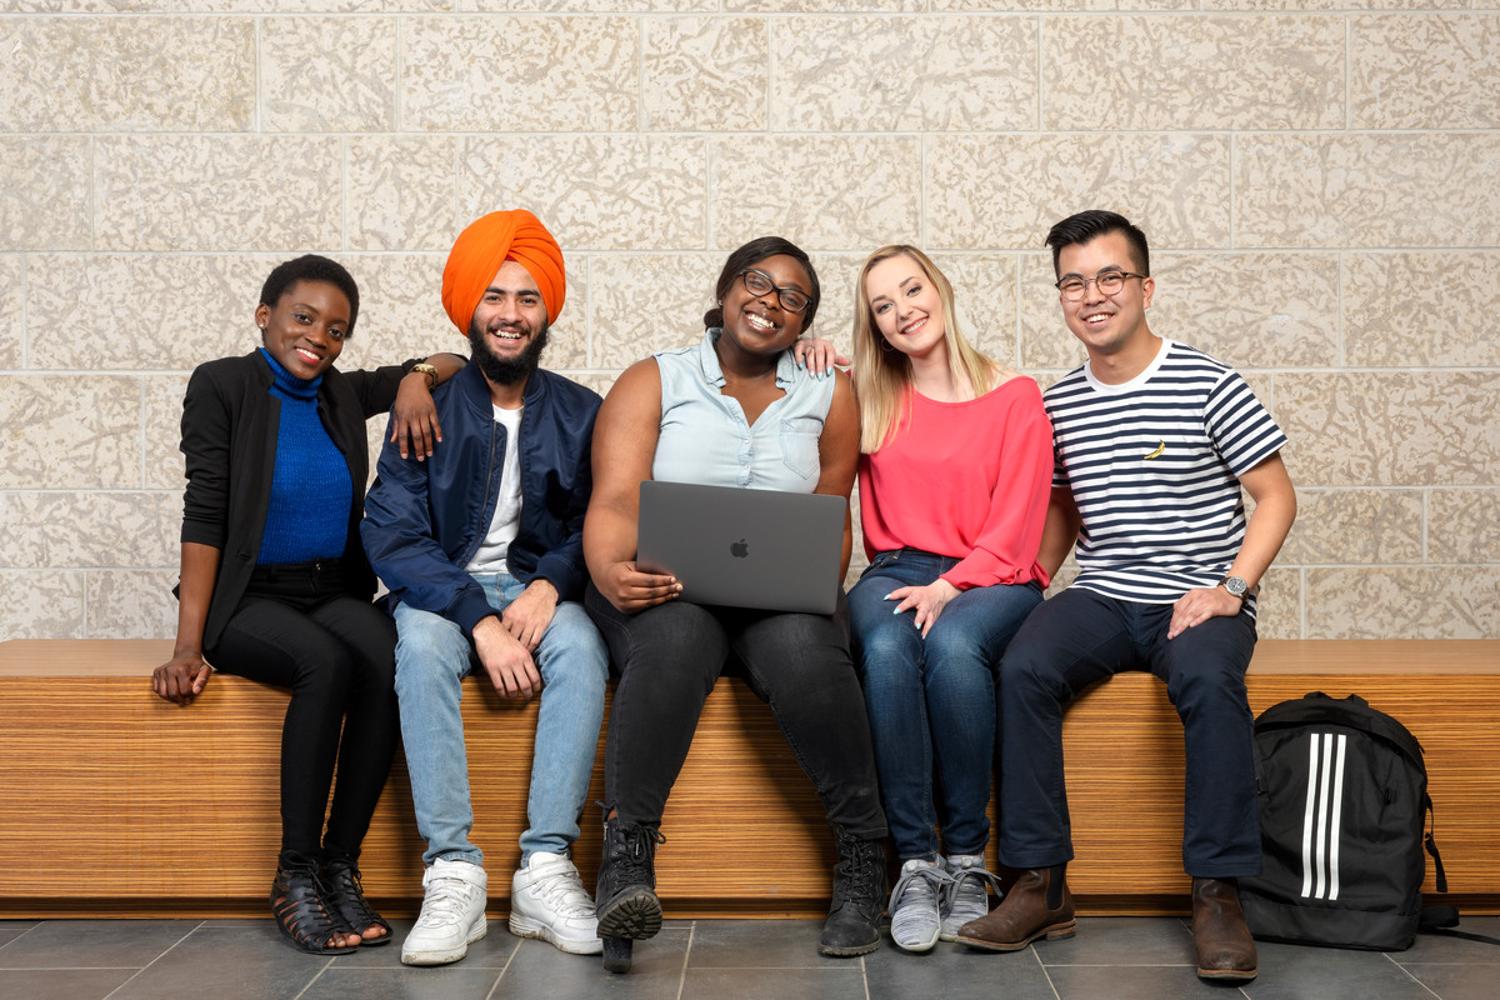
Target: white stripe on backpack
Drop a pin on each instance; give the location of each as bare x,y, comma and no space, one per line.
1323,815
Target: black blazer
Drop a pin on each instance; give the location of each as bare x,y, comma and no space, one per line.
229,425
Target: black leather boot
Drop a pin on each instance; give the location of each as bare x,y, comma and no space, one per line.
625,899
853,924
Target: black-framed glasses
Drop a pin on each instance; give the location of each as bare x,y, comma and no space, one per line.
758,282
1072,287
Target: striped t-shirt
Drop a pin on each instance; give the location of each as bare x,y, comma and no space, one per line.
1154,466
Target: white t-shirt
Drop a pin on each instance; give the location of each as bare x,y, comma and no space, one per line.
490,556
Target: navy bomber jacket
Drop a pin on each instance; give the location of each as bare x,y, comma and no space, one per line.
425,520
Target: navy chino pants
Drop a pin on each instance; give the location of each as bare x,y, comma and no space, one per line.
1079,638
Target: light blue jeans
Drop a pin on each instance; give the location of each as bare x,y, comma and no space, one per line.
432,658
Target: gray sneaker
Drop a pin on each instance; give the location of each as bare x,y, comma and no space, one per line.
914,905
966,896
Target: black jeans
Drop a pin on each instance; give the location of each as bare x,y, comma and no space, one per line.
297,628
1079,638
668,658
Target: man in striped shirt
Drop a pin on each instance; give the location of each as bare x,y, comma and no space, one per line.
1153,443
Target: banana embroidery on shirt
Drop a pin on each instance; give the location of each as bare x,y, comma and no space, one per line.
1159,449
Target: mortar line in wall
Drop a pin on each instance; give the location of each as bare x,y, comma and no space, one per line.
922,209
1234,152
396,104
69,491
344,194
93,194
872,11
801,135
770,73
859,251
1342,354
25,311
640,73
1426,520
1016,277
255,113
708,195
1041,69
1302,602
455,224
588,313
141,417
1349,59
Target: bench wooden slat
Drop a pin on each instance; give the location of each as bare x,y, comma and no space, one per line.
117,801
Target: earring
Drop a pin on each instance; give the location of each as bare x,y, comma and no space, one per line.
885,345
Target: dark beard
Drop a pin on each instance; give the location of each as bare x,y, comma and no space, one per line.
501,371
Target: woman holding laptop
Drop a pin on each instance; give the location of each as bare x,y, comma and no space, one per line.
735,410
954,477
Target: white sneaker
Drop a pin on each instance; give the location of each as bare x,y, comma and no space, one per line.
452,914
915,920
548,901
967,897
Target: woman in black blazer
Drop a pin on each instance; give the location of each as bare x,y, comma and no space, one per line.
274,582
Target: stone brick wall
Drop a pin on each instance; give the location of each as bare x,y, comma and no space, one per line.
1317,176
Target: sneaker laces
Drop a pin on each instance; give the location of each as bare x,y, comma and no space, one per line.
564,894
445,901
925,884
968,882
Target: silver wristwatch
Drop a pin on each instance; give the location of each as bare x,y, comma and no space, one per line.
1236,586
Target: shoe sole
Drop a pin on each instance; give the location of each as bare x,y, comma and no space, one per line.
1229,975
525,927
1055,932
852,951
435,957
634,914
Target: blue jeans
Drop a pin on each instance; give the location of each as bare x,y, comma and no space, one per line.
432,658
932,701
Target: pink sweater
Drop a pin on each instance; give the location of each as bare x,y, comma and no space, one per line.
970,481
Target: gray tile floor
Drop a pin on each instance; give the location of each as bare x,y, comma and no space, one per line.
1111,958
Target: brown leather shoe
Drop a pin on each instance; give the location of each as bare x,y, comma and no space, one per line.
1023,915
1220,936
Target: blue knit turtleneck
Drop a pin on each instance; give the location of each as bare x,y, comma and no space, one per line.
310,491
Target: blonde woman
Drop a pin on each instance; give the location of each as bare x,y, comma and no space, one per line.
954,476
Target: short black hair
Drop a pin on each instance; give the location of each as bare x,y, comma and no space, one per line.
757,250
311,267
1096,222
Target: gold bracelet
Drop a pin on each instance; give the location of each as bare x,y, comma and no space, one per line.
429,371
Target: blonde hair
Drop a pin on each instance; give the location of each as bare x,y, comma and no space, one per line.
882,374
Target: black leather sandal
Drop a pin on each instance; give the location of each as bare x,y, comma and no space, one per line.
345,893
303,915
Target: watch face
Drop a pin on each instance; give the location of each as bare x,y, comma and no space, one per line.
1235,586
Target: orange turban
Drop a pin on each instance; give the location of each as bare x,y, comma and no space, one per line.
489,242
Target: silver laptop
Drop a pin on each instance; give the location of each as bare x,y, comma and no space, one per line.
744,548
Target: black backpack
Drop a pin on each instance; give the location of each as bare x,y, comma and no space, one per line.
1343,816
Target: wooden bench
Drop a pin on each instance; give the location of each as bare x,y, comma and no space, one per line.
116,802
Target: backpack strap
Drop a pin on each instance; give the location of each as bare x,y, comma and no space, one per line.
1431,844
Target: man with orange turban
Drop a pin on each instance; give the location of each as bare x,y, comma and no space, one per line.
481,546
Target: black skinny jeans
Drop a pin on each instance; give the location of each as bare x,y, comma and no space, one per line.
296,628
668,658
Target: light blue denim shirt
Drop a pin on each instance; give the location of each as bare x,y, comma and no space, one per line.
705,438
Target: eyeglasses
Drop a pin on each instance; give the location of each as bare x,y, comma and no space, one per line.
1109,282
758,282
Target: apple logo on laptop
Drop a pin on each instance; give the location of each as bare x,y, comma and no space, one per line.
739,549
